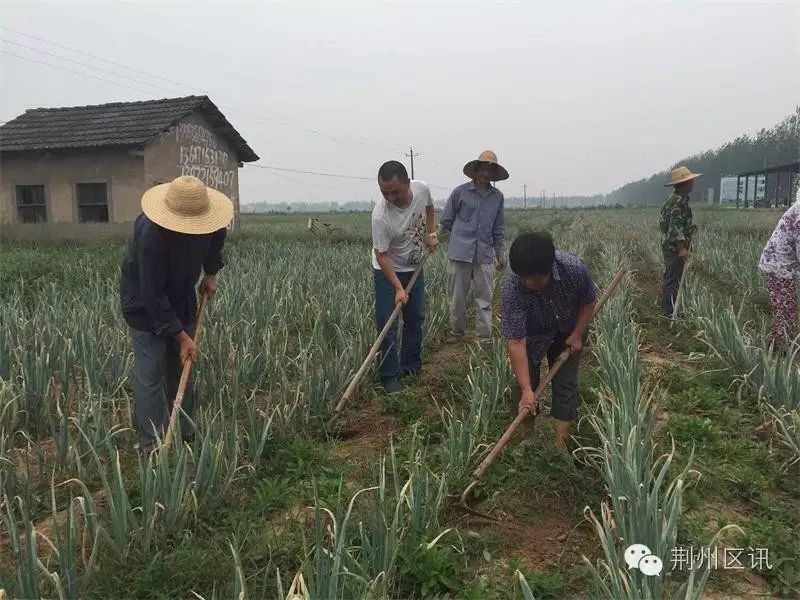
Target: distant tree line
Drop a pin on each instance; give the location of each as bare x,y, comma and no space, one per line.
769,147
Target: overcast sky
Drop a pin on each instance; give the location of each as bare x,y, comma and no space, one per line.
575,97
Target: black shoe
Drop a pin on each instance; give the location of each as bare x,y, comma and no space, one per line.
392,385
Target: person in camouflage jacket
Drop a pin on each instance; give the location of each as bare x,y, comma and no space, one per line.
677,230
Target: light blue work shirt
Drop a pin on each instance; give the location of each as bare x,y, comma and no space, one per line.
475,223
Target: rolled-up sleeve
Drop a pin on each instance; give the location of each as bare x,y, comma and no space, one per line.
514,316
449,213
152,261
499,230
215,260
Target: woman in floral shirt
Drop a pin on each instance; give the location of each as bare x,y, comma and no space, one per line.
781,267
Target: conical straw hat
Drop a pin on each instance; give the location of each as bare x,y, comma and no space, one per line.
681,175
186,205
489,157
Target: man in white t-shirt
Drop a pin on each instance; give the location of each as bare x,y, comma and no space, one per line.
403,227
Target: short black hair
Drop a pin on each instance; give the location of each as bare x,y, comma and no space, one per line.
391,169
532,254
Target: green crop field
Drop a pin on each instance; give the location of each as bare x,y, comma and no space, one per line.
689,433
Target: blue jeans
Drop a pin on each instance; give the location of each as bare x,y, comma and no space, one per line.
413,318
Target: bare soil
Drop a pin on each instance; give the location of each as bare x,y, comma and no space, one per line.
366,434
545,544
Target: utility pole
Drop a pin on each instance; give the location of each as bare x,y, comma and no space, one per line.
411,155
525,194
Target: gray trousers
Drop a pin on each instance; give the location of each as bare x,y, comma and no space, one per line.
461,276
673,272
156,374
564,386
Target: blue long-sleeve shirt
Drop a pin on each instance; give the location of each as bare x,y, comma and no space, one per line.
159,274
475,223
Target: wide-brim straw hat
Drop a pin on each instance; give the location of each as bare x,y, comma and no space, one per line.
681,175
486,156
187,205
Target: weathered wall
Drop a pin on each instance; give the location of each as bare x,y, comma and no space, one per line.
122,171
190,147
45,232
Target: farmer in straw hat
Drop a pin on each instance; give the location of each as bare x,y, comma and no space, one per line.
677,229
403,226
474,217
180,233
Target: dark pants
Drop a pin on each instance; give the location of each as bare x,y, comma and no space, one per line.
673,272
413,319
564,385
156,374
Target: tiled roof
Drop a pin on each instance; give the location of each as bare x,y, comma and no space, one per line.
121,124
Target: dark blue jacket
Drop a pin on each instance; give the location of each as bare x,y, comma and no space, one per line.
159,273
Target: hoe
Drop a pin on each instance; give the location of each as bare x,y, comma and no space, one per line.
374,350
498,447
187,367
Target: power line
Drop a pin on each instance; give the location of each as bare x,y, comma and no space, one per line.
412,154
300,182
41,62
105,60
321,174
178,84
144,91
273,168
337,175
83,64
158,87
282,119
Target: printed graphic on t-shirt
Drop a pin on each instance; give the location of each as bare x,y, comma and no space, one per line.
414,233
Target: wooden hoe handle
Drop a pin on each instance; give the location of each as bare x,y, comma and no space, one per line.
187,367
